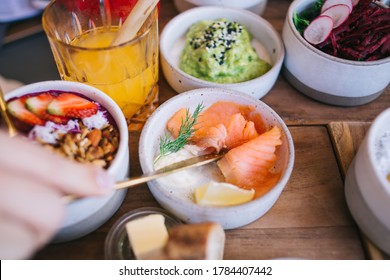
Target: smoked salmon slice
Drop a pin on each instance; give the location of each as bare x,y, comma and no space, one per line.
249,165
224,125
239,131
214,139
176,121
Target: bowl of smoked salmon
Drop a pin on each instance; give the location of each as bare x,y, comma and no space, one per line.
83,124
223,47
337,52
256,148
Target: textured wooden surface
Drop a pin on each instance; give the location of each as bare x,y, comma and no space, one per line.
310,220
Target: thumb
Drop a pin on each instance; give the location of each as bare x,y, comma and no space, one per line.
66,175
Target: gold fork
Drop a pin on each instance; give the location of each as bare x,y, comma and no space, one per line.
3,109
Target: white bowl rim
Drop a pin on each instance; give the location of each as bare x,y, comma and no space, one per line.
120,121
204,2
311,48
372,136
218,210
221,9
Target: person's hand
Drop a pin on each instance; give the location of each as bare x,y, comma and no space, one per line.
32,182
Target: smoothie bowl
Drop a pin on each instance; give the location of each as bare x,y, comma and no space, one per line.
94,131
221,47
239,188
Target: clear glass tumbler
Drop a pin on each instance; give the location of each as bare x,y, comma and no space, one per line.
80,35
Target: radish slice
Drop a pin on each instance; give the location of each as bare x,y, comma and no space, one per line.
338,13
318,30
329,3
355,2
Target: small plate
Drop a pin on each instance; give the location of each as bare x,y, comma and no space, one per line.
117,245
24,13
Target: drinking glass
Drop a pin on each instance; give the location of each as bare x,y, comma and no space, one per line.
80,35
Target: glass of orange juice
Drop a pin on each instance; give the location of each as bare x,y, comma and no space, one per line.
81,33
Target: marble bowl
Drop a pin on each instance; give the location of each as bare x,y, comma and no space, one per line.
266,41
86,215
182,206
367,184
326,78
255,6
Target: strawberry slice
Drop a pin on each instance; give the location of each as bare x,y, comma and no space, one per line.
17,108
72,106
38,105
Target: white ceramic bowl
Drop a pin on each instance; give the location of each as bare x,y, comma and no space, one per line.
173,38
327,78
366,188
12,10
85,215
184,208
255,6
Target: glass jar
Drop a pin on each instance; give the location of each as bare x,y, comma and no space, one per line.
117,245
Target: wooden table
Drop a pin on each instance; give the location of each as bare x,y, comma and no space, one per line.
311,219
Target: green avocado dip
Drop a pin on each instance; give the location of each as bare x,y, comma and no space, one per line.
220,51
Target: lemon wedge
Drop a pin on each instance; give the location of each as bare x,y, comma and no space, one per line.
222,194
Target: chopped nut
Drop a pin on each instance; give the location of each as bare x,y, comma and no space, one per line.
95,136
108,148
94,146
84,133
66,149
84,142
94,153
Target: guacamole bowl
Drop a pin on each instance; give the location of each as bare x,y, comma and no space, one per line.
84,215
255,6
327,78
266,43
178,193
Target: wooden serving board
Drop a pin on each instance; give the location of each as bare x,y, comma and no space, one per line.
346,138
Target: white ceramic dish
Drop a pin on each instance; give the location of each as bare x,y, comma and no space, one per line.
366,188
187,210
266,41
327,78
255,6
13,10
85,215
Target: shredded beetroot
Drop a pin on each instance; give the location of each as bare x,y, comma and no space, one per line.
364,36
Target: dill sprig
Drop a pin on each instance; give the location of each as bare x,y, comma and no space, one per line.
186,130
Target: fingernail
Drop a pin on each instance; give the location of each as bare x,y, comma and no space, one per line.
104,180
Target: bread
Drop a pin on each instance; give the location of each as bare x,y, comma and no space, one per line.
205,241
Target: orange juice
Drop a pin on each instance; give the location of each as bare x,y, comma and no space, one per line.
127,73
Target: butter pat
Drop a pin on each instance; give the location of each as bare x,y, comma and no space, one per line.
147,235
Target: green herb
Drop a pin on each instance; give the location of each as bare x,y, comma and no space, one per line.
303,19
300,23
186,130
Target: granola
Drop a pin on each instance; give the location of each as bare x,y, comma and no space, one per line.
97,146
